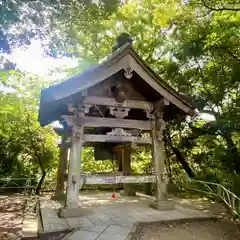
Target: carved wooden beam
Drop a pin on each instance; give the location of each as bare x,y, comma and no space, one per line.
114,123
113,103
109,122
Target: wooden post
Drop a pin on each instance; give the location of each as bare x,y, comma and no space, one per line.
71,208
59,191
126,164
158,153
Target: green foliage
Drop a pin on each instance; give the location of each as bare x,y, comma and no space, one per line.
193,45
27,150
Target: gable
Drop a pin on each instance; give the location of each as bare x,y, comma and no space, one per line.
106,88
54,98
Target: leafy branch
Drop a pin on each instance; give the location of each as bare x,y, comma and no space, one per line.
212,8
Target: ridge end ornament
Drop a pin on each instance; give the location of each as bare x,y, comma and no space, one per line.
128,72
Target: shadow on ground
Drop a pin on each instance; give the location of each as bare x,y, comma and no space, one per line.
187,230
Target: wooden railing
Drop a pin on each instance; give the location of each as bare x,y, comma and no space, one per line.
215,189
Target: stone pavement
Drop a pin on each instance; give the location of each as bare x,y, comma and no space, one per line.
106,217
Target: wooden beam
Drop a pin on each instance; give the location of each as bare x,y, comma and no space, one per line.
107,138
113,103
106,179
116,123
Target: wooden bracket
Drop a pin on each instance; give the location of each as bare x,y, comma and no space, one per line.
159,105
119,112
149,114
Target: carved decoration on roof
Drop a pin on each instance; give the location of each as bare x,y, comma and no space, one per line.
119,132
79,112
128,72
119,112
84,108
80,108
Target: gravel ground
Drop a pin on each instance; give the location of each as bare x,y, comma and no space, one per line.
202,230
11,216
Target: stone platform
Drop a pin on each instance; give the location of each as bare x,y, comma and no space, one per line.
106,218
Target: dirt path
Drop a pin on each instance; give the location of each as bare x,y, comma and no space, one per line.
222,229
207,230
204,204
11,216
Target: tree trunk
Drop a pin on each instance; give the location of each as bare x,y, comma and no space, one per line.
183,162
39,186
233,151
168,164
180,157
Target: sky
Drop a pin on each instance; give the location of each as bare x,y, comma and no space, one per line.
33,59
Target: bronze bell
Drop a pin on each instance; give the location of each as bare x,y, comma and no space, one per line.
120,94
103,151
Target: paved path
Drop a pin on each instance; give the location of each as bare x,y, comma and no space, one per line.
108,218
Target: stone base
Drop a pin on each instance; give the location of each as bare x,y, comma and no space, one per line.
73,212
162,205
59,197
127,192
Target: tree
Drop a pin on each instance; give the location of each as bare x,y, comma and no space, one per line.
193,45
195,48
27,149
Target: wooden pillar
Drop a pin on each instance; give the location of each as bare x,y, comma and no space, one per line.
118,159
63,155
127,170
158,153
71,208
